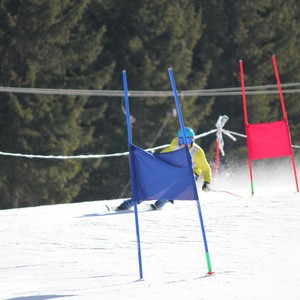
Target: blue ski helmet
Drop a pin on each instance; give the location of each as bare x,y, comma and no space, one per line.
189,132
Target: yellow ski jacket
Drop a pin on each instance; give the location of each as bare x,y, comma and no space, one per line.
200,164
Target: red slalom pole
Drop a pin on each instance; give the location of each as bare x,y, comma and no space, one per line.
246,123
285,118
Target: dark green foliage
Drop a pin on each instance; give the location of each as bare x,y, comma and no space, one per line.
145,38
46,46
86,44
251,31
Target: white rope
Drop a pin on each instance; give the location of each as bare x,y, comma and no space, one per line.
89,156
62,156
237,134
244,136
92,156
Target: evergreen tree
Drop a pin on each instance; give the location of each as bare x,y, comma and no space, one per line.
87,44
251,31
44,44
145,38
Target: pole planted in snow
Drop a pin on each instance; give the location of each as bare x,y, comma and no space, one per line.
132,174
196,192
285,118
246,123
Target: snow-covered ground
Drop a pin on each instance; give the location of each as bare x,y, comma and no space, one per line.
80,251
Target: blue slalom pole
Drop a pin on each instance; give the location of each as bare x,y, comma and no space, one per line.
132,174
185,140
177,104
127,108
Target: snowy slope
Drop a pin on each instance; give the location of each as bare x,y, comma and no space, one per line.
79,251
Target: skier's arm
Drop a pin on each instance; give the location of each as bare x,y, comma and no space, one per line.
201,166
171,147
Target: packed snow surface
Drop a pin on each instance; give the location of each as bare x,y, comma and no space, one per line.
81,251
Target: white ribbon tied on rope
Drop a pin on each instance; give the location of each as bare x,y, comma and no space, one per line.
220,130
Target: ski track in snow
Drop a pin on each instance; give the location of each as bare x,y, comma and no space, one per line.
80,251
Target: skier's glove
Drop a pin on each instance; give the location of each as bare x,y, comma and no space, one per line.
206,186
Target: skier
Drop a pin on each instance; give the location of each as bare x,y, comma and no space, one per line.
200,165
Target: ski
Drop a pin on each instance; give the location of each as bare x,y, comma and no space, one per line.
144,207
110,208
114,209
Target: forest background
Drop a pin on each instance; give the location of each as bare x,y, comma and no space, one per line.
70,44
